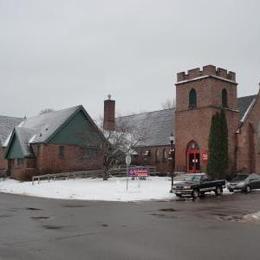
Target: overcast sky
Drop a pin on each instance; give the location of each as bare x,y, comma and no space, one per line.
56,54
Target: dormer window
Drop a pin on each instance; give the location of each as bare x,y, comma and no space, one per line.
224,98
193,99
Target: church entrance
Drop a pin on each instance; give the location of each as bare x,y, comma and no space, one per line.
193,157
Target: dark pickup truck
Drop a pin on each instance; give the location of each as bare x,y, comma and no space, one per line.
196,185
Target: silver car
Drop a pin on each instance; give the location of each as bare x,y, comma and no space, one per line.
244,182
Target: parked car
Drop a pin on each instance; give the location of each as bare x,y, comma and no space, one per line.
196,185
244,183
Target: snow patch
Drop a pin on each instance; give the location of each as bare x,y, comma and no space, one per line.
254,217
114,189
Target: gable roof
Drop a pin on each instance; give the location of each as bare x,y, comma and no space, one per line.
7,124
41,128
244,103
156,126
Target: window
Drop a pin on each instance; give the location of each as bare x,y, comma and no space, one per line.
147,153
224,98
193,99
164,155
19,161
61,152
157,155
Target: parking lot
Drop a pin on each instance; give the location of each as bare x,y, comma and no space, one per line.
209,228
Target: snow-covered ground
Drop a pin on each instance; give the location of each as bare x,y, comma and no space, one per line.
254,217
154,188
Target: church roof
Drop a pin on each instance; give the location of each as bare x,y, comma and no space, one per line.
41,128
158,125
244,103
7,124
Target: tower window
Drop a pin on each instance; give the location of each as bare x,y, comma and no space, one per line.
224,98
193,99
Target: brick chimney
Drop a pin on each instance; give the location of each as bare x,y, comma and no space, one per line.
109,114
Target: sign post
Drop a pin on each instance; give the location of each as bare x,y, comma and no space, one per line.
128,162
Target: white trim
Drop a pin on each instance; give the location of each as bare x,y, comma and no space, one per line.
32,139
7,140
204,77
248,110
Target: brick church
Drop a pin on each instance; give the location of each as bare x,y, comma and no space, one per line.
200,93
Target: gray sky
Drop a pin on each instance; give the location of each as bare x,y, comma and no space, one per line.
56,54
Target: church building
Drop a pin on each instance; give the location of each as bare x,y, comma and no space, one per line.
200,93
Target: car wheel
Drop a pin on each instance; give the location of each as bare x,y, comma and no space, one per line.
218,191
195,194
247,189
202,195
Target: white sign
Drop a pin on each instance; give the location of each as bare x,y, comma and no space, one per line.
128,159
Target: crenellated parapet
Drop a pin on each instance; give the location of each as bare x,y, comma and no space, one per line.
208,70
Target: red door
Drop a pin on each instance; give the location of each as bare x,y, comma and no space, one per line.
193,160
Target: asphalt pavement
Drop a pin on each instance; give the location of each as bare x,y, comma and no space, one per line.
209,228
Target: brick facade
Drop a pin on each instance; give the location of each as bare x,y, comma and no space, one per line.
49,159
73,158
154,155
248,156
193,123
3,162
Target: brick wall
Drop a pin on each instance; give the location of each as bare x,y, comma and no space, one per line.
158,157
3,162
74,158
248,156
194,124
50,160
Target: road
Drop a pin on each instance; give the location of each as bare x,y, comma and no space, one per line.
210,228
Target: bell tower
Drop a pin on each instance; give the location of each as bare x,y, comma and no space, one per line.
200,93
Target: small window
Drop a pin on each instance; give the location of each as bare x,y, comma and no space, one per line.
38,149
61,152
19,161
224,98
157,155
164,155
147,153
193,99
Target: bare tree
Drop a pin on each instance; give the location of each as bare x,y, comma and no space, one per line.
168,104
46,110
120,142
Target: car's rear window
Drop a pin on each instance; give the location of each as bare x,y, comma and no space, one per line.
240,177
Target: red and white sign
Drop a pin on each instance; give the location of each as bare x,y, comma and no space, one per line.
204,156
138,172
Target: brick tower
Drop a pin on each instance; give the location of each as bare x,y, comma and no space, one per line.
199,95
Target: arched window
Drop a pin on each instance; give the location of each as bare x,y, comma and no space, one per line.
164,155
224,98
157,155
193,99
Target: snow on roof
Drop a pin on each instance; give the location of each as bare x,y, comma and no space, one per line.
248,110
156,126
24,135
7,124
244,103
44,125
39,128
